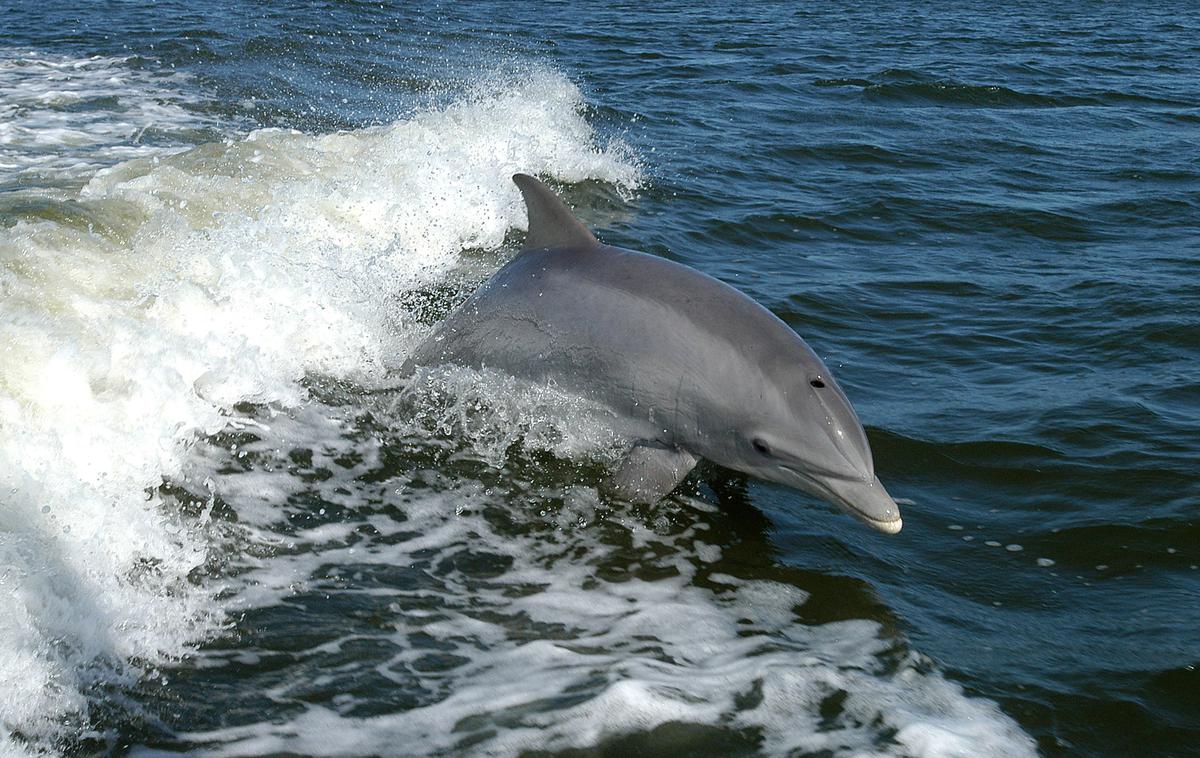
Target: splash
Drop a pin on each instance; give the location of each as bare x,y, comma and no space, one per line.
174,286
507,617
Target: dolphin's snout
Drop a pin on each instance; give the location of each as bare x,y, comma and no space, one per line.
868,501
865,499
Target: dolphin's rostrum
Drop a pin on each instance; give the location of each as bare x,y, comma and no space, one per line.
690,367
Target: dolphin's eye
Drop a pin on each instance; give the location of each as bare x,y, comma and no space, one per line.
818,383
762,447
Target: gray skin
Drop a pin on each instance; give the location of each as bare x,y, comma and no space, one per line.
690,367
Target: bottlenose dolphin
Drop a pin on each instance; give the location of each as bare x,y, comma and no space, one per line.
689,366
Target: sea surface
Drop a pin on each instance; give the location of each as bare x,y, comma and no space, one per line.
227,528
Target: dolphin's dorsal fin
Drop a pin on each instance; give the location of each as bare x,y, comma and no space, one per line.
551,223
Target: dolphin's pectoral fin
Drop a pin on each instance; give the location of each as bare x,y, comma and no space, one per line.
650,471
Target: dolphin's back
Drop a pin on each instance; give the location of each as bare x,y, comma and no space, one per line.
634,331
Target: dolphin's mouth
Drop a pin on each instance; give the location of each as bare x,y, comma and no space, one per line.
867,501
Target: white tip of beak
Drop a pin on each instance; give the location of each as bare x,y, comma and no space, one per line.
869,502
887,527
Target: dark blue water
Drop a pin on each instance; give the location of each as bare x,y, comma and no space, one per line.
986,220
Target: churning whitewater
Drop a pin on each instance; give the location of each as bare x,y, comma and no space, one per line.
195,319
175,285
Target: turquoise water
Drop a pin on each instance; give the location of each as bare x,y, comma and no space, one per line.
222,228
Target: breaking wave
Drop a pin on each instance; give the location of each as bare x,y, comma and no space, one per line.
172,286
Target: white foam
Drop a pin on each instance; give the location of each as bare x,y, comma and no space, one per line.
494,411
220,274
62,118
619,656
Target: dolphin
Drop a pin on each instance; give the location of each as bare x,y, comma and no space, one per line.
690,367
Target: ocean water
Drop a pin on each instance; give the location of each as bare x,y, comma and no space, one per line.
225,530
